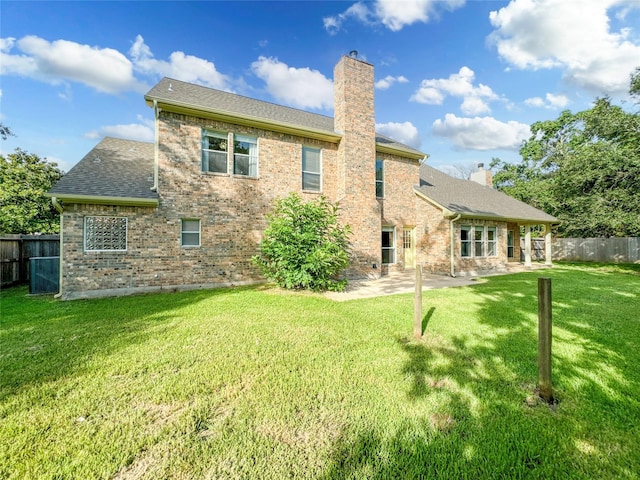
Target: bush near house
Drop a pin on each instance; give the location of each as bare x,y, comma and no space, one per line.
304,246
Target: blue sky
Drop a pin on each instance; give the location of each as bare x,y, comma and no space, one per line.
460,80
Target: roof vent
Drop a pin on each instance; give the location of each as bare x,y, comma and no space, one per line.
170,87
96,160
353,53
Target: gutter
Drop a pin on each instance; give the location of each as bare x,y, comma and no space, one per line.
104,200
452,244
57,205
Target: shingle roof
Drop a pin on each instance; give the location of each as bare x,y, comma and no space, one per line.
114,168
472,200
179,93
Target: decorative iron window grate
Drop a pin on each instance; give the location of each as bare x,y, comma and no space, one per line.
105,234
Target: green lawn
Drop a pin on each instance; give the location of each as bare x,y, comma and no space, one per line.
260,383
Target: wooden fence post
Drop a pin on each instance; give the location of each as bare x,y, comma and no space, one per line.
544,339
417,304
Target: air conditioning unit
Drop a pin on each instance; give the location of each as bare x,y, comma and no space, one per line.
44,275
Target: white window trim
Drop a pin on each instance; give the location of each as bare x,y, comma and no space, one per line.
493,242
216,134
471,229
482,241
182,232
381,182
319,173
237,137
393,248
84,234
469,241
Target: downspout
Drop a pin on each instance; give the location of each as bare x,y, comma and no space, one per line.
452,244
156,115
60,210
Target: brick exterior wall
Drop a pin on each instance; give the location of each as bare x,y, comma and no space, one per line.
232,209
400,207
354,118
434,245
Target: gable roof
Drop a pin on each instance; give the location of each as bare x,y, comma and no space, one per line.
188,98
472,200
115,172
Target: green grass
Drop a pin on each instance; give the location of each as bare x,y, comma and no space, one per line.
260,383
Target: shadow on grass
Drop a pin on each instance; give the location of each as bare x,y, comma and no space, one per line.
44,339
426,318
476,414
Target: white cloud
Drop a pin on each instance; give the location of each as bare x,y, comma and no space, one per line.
405,133
298,87
475,97
358,11
104,69
534,102
474,105
393,14
550,101
481,133
388,81
573,36
143,131
183,67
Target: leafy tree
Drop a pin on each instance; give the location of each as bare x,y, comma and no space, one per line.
24,179
584,168
634,89
5,131
304,246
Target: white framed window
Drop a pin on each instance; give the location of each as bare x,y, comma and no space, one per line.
478,242
388,245
379,178
311,169
465,241
492,241
215,152
190,232
105,234
510,244
245,155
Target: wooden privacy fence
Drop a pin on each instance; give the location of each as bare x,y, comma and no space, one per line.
16,250
606,250
537,249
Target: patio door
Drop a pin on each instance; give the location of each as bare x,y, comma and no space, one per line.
409,247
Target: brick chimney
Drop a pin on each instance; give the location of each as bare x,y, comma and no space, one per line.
354,118
482,176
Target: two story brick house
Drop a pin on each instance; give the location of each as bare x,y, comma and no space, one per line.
188,211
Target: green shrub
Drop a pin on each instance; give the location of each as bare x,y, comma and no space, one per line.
304,246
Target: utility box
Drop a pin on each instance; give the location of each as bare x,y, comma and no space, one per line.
44,275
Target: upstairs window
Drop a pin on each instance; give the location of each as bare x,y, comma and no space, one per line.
190,232
379,179
245,156
311,169
214,152
104,234
465,241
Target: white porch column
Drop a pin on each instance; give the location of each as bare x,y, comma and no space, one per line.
547,245
527,245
